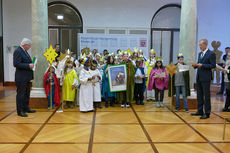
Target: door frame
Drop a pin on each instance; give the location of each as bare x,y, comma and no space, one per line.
2,61
164,29
60,28
171,30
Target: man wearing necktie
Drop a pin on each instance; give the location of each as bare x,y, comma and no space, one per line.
23,75
206,62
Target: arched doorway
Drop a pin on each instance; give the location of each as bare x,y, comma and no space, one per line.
65,22
165,32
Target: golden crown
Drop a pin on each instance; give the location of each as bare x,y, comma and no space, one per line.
152,51
158,59
180,55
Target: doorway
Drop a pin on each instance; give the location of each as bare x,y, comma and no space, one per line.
65,22
165,33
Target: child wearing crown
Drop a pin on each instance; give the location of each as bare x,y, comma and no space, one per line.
149,64
158,80
50,79
96,77
86,88
180,84
129,93
105,83
139,83
70,84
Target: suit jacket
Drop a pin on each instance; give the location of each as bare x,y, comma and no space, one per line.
21,60
204,73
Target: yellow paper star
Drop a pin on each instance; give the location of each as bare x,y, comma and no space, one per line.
50,54
171,69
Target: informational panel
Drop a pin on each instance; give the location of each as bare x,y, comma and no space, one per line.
113,42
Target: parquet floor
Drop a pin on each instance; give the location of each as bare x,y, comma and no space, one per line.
139,129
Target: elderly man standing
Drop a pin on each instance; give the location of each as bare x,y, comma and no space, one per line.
23,76
206,62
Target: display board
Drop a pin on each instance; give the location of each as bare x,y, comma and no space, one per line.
113,42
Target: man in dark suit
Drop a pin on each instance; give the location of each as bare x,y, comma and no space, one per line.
206,62
23,76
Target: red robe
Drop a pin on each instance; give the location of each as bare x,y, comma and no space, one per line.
57,88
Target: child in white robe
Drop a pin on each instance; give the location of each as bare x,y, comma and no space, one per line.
86,88
96,77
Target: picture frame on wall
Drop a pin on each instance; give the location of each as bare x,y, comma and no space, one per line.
117,76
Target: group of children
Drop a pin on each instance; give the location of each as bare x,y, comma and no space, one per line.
85,81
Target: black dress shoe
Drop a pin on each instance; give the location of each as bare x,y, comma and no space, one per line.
22,114
30,111
197,114
225,110
204,116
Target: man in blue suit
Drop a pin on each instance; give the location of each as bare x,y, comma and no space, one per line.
206,62
23,76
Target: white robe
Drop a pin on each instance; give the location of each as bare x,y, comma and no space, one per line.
86,91
96,86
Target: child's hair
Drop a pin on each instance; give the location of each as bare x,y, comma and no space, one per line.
66,66
50,68
156,67
108,61
94,63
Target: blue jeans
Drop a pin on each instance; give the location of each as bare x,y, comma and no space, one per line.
178,89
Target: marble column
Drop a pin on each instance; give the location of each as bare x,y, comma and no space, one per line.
39,44
188,34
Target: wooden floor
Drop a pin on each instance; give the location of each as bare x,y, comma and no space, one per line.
139,129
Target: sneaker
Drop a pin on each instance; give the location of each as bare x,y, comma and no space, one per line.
71,105
99,106
106,104
176,110
66,106
127,106
122,106
161,104
158,104
186,110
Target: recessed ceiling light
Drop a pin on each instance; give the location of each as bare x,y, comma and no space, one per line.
60,17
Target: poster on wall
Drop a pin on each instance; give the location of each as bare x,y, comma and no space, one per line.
113,42
117,77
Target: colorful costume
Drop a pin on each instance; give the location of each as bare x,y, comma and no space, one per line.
70,78
105,89
149,65
55,89
129,93
158,84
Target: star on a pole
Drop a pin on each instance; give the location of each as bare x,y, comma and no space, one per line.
50,55
171,69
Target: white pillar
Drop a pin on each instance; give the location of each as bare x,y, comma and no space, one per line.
188,34
39,44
